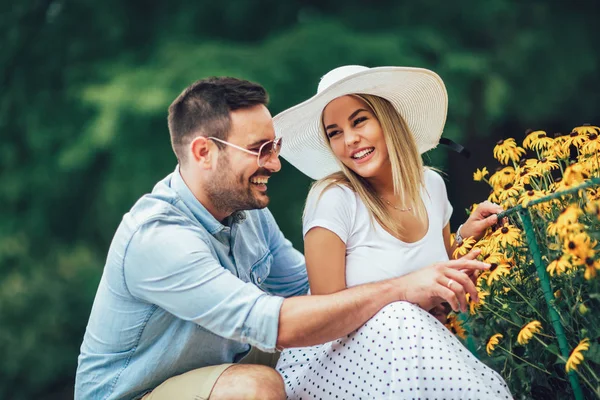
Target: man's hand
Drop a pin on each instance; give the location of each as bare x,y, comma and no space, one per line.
445,281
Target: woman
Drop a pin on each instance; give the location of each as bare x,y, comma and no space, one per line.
376,213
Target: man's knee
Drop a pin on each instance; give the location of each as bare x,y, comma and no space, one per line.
249,382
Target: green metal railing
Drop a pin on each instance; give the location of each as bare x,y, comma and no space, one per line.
534,250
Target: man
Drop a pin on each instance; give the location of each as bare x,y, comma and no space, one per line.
198,270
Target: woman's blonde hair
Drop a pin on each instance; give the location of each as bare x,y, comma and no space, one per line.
406,164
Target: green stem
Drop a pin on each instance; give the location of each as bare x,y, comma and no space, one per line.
504,280
500,316
524,360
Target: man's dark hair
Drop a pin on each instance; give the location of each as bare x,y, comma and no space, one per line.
203,109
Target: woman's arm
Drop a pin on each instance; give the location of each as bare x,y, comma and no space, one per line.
447,241
325,255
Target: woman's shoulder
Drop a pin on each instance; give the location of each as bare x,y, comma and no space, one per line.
433,178
330,191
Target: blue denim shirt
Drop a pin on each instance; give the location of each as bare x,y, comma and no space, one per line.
182,291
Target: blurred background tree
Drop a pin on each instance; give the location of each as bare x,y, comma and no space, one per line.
86,85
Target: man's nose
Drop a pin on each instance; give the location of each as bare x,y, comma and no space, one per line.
273,164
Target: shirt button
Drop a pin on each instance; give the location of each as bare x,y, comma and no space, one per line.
259,280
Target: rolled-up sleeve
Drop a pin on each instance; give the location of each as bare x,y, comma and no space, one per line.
171,266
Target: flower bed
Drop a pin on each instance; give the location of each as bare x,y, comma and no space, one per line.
537,323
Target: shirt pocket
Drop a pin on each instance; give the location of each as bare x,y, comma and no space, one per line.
261,269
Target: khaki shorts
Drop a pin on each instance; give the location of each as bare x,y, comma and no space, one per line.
197,384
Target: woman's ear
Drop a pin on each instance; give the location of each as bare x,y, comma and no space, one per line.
202,152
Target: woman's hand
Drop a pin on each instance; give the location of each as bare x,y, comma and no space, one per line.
445,281
483,217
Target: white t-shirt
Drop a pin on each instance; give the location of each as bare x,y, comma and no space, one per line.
373,254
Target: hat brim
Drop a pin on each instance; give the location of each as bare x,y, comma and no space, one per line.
418,94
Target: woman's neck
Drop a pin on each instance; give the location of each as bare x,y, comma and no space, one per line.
383,183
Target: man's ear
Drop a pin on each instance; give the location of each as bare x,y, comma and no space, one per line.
203,151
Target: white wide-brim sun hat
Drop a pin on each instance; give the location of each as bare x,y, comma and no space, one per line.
418,94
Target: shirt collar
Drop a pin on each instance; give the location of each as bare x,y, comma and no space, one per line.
206,219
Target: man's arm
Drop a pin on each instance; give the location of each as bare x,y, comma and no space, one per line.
169,265
317,319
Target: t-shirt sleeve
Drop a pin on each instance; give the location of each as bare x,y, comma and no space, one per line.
440,195
332,208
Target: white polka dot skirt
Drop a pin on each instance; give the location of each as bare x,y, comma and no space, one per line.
401,353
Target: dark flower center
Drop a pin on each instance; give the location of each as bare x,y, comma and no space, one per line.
541,135
508,186
589,261
493,267
530,193
504,230
573,134
543,160
500,142
572,245
593,136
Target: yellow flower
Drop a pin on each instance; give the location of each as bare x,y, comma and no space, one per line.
480,174
493,257
455,326
537,140
593,208
487,246
508,235
474,306
592,146
580,246
559,266
576,357
557,149
575,138
569,215
494,195
528,331
510,191
525,172
591,268
491,344
593,193
464,247
507,150
586,129
529,196
497,270
545,165
575,173
502,177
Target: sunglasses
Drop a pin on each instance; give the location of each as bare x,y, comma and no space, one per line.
267,151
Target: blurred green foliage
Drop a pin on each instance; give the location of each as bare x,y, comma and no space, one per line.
85,87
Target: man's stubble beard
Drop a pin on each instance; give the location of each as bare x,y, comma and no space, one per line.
229,193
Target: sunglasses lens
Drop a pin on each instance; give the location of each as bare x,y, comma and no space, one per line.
265,153
268,150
